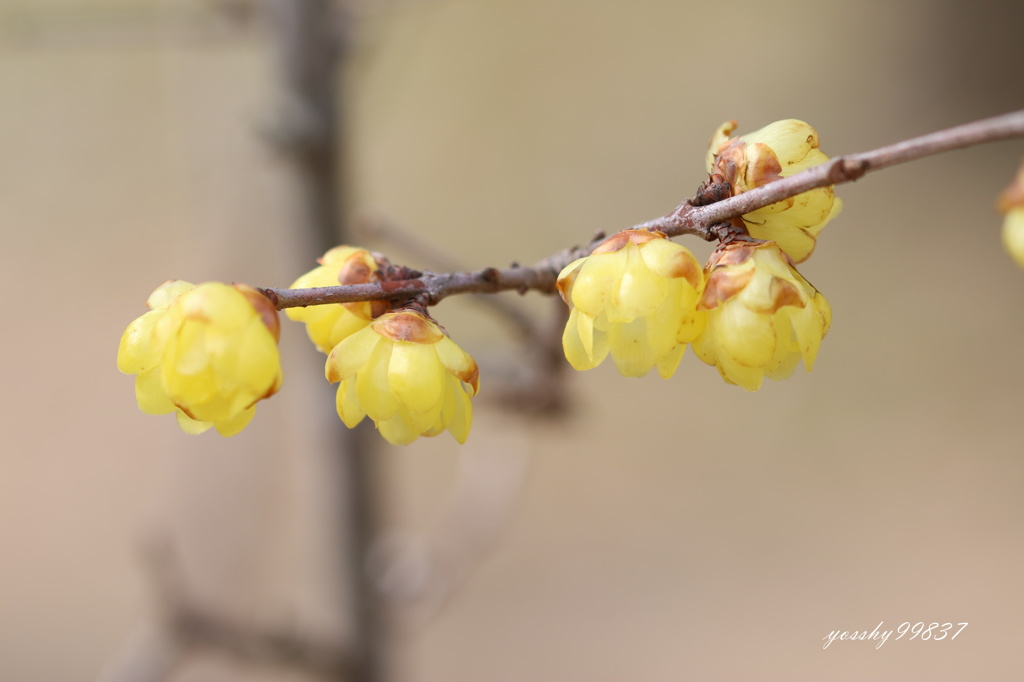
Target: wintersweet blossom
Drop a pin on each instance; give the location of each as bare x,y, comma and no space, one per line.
328,324
776,151
634,297
207,352
762,316
405,374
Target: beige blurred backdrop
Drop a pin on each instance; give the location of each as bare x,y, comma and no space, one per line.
662,530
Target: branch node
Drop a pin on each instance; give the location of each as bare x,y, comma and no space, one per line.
271,296
712,190
848,170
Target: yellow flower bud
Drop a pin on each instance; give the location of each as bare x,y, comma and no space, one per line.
762,316
207,352
1011,203
328,324
776,151
633,297
406,375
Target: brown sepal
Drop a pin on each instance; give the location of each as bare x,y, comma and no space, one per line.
618,240
264,307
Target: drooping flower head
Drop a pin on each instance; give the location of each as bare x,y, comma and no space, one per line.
328,324
405,374
762,316
1011,203
207,352
633,297
776,151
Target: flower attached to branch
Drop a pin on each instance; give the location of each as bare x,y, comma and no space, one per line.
207,352
776,151
634,297
762,316
328,324
404,373
1011,204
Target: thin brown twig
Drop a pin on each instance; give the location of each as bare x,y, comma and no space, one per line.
381,228
685,219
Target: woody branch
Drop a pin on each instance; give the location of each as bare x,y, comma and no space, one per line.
429,288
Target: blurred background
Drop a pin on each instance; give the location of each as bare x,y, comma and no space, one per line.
673,530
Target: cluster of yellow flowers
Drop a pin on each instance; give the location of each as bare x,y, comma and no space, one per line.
209,352
396,367
642,298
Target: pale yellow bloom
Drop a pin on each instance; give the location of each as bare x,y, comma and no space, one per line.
1011,203
328,324
776,151
405,374
762,316
633,297
206,352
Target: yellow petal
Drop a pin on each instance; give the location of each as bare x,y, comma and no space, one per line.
825,311
1013,234
583,357
190,354
458,362
674,261
720,136
639,292
397,430
150,393
584,327
351,354
191,426
807,329
461,419
137,351
373,387
629,348
416,376
705,345
233,425
791,140
567,278
596,279
257,362
664,324
797,243
784,368
692,326
347,403
167,293
747,378
745,336
668,362
217,304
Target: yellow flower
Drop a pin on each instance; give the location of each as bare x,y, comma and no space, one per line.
762,316
407,376
207,352
328,324
1011,203
776,151
634,297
